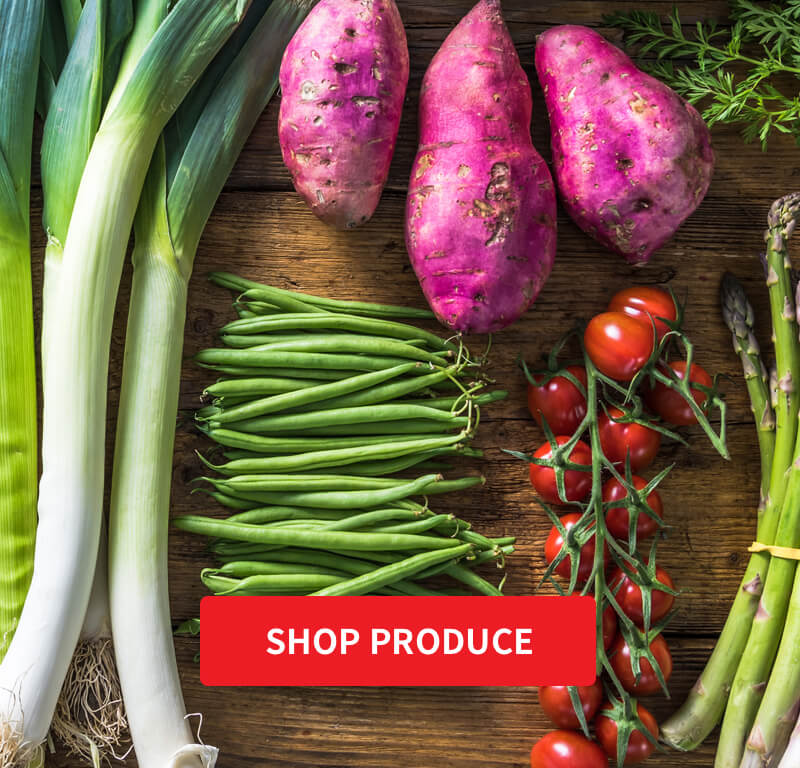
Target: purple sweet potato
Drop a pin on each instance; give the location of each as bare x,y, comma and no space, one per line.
480,220
343,79
632,159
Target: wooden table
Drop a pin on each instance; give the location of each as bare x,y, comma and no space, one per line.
261,229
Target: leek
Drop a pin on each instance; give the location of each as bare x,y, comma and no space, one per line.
79,333
20,34
188,171
89,717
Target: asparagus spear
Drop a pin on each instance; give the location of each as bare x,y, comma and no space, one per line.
739,317
762,644
703,708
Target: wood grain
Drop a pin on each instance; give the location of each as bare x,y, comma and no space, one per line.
262,230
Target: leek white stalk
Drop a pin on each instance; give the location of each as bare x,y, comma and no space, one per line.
71,487
20,33
187,173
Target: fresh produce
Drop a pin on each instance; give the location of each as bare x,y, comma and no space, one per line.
317,505
645,679
343,81
641,741
737,679
647,304
632,159
634,602
618,518
555,544
669,405
607,544
619,345
625,440
20,33
576,482
90,718
558,400
152,82
737,70
480,221
556,702
186,175
567,749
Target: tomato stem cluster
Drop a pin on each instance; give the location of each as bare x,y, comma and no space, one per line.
603,392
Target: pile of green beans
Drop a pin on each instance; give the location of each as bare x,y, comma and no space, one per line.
334,423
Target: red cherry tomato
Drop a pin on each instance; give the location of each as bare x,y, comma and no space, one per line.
648,680
618,518
629,596
559,401
609,626
557,705
618,344
577,483
567,749
617,439
644,302
555,541
639,747
670,404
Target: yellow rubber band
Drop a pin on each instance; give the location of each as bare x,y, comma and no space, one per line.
787,553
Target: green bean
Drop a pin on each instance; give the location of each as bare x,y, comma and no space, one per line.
388,574
478,583
254,308
447,403
312,539
479,559
415,429
476,539
345,499
241,569
260,386
300,373
417,526
254,359
391,466
460,484
267,584
336,458
355,344
386,392
342,417
238,284
226,500
270,514
351,323
504,541
367,519
262,444
247,341
307,395
304,482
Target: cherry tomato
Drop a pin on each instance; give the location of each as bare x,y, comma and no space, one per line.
648,680
617,439
618,344
559,401
609,626
618,518
670,404
643,302
555,541
557,705
639,747
567,749
629,596
577,483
